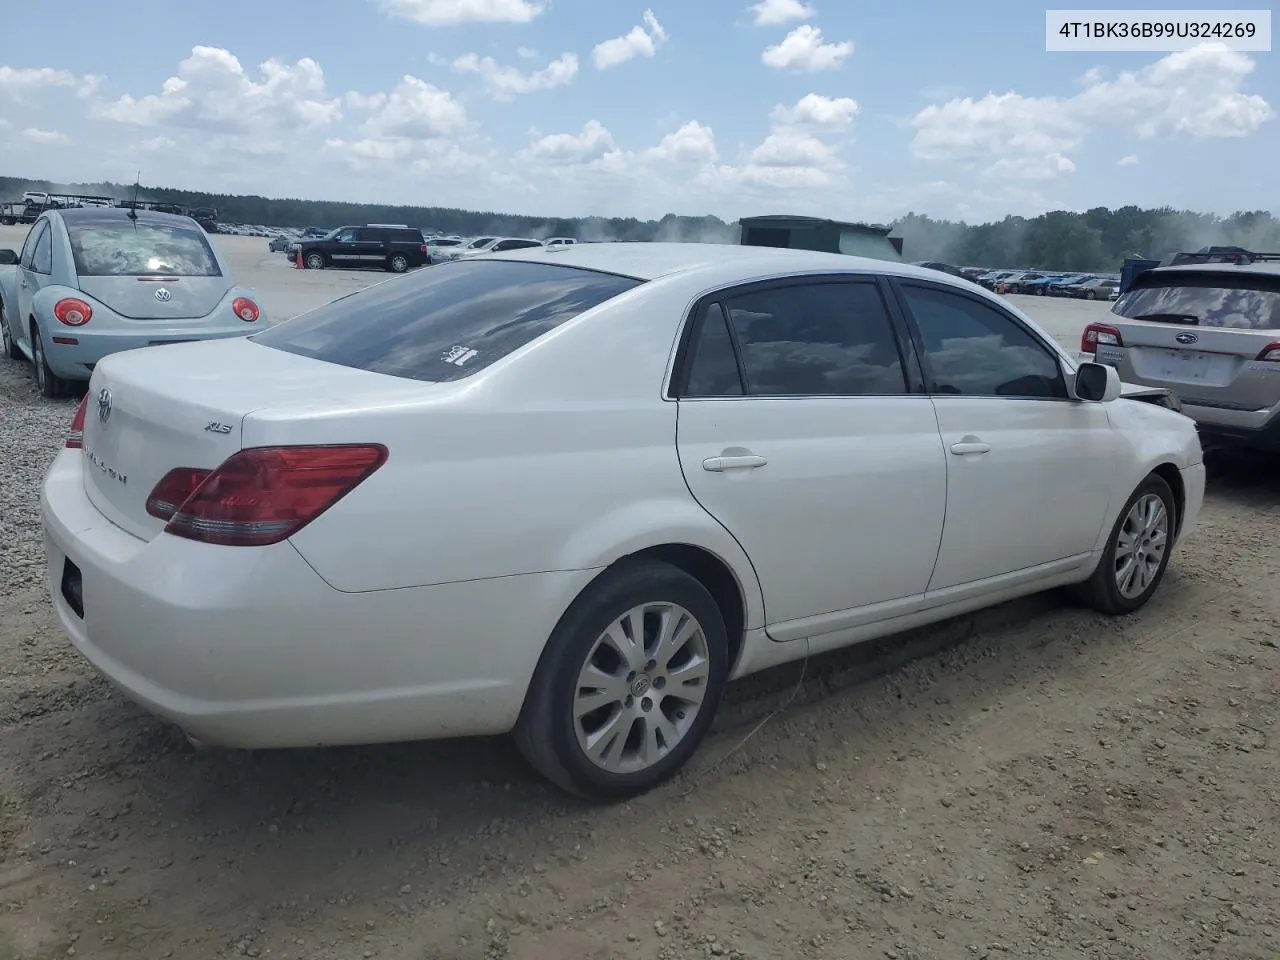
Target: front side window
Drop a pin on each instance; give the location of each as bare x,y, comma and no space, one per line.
120,247
448,322
810,339
974,350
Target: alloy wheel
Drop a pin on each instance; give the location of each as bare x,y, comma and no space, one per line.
641,687
1140,545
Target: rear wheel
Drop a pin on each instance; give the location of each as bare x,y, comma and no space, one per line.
51,385
1137,552
1090,295
398,263
314,261
629,683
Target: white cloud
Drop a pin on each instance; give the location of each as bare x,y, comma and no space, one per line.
770,13
804,50
640,41
794,148
594,142
1195,93
361,101
448,13
817,110
18,80
526,53
89,85
692,142
505,83
418,109
1128,161
212,92
36,135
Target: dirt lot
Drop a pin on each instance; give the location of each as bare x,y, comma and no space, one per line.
1038,781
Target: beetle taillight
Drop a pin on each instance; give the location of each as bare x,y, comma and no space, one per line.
73,312
246,309
1099,335
1270,353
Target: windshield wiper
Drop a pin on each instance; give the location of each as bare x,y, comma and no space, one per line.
1188,318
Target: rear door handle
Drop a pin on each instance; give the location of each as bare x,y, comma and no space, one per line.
970,446
721,464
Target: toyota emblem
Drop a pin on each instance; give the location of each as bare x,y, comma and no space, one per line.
104,404
1187,338
163,295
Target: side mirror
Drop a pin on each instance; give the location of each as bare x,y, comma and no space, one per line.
1097,382
8,258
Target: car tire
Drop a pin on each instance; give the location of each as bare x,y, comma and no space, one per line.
398,263
314,261
639,715
10,343
1090,295
52,386
1147,524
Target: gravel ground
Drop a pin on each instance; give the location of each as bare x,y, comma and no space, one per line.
1037,781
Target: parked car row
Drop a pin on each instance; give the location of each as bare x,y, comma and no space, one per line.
394,247
1082,286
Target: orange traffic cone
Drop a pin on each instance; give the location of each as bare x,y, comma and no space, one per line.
297,261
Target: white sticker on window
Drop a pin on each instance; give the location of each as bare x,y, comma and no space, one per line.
459,355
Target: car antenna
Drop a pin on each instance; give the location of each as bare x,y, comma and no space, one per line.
133,207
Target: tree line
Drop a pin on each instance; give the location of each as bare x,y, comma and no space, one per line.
1098,239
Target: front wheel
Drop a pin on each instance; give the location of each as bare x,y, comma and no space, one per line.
314,261
1091,295
628,685
1137,553
398,264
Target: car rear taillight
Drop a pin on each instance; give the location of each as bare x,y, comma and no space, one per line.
1271,352
263,495
75,435
246,309
1099,334
423,248
73,312
173,490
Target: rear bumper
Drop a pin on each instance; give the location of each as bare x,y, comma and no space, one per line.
1256,429
249,647
75,361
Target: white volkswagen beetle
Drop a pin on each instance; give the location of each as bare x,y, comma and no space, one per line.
571,494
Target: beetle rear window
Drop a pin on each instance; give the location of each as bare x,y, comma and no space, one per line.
119,247
445,322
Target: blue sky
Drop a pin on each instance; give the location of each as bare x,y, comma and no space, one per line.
574,107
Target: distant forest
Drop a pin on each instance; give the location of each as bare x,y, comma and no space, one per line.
1098,239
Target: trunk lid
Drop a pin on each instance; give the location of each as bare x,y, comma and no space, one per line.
158,408
166,299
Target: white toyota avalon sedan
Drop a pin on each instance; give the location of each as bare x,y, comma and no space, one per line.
570,493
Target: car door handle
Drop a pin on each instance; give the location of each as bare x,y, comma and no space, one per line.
970,446
721,464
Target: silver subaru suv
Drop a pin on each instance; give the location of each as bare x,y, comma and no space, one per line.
1207,327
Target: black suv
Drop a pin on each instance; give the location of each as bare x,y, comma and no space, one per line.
389,246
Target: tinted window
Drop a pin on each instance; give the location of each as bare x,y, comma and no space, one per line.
345,235
820,339
42,256
119,247
406,236
448,322
975,350
29,245
712,365
1244,302
368,235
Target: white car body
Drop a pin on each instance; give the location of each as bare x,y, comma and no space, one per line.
419,605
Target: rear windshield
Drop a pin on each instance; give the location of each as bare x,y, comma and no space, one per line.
119,247
446,322
1244,301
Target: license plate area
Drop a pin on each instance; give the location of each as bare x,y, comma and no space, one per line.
73,587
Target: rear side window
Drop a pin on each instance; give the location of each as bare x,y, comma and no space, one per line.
448,322
816,339
1243,301
119,247
42,256
713,365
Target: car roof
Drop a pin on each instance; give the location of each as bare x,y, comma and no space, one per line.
75,214
1268,268
729,262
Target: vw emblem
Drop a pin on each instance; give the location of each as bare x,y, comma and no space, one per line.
104,404
163,295
1187,338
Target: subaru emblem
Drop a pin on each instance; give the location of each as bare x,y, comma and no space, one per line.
104,404
163,295
1187,338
